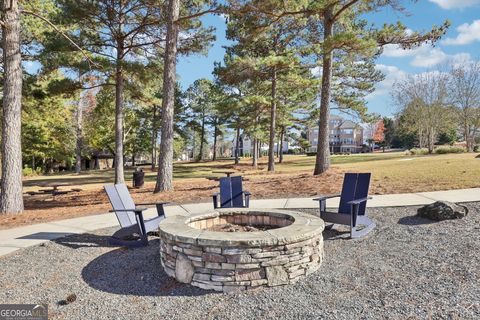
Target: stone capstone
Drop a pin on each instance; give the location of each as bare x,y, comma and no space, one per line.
442,210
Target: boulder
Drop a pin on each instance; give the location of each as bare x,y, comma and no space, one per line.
276,275
442,210
184,269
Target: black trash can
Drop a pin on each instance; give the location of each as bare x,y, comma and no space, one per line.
138,178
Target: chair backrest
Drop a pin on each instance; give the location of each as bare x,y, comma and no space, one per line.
355,186
120,199
231,192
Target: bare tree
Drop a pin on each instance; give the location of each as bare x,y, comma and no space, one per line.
464,95
422,100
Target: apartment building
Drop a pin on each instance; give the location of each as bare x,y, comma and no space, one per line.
246,146
345,136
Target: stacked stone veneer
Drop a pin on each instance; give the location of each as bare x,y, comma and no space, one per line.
237,261
256,219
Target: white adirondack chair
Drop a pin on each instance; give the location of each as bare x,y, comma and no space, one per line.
130,217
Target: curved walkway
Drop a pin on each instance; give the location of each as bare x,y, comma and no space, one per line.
21,237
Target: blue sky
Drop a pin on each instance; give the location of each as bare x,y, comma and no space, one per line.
460,44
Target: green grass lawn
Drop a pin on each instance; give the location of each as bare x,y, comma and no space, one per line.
450,170
294,163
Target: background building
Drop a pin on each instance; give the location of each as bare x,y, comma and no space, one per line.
246,146
345,136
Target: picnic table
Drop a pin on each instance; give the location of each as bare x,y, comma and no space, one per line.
228,173
53,188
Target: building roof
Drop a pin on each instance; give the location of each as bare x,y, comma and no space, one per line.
335,117
348,124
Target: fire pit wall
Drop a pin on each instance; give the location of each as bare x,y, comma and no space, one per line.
289,248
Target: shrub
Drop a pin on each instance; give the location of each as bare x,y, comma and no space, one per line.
311,153
29,172
445,150
476,148
417,151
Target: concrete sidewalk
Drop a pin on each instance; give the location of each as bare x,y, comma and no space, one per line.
17,238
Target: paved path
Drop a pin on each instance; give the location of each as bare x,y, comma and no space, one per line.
16,238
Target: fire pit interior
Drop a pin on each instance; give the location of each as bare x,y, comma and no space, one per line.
240,249
251,222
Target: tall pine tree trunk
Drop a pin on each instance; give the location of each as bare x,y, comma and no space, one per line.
11,198
79,130
165,161
202,139
215,135
154,137
273,115
280,152
119,178
237,147
322,161
255,154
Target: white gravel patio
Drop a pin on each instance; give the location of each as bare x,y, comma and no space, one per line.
407,268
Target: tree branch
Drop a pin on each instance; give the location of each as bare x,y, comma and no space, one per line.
201,13
90,62
342,9
97,86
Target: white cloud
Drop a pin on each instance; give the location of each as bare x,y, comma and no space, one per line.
223,16
428,57
394,51
316,71
467,33
424,56
460,59
456,4
392,75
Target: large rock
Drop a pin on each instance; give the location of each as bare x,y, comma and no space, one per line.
276,275
442,210
183,269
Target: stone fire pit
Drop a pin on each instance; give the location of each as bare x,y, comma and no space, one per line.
288,246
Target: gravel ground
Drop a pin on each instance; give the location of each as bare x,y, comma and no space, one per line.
407,268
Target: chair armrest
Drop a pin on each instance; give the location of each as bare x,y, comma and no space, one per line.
136,210
215,200
322,198
152,203
158,205
358,201
247,198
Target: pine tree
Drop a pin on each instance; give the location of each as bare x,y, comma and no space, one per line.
11,197
199,40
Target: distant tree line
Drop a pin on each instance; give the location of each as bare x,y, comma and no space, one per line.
438,107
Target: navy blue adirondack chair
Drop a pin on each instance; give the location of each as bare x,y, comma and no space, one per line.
231,194
353,202
130,217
